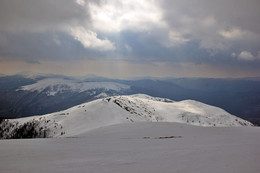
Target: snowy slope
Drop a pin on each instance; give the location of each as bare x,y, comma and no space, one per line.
138,148
123,109
58,85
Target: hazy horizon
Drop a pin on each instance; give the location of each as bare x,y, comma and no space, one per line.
29,74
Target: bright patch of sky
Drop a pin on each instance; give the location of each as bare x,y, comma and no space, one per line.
136,15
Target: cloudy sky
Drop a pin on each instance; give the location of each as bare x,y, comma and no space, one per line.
131,38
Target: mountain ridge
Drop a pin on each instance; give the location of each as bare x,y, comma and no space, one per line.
116,110
238,96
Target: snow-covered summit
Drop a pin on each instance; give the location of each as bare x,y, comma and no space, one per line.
144,96
127,109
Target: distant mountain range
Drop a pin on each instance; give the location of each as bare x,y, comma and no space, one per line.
27,95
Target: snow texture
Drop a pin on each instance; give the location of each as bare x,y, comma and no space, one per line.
146,147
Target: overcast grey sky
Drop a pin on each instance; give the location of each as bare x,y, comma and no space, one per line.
123,38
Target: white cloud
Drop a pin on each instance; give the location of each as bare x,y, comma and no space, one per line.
81,2
175,38
247,56
234,33
115,16
90,40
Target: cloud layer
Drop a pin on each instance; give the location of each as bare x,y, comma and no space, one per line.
199,32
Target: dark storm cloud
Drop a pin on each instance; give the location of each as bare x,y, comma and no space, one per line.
34,15
219,25
222,32
146,47
34,30
142,45
244,14
34,47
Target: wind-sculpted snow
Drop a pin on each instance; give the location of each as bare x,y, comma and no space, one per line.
54,86
125,109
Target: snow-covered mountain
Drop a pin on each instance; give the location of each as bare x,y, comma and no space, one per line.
21,97
53,86
29,94
117,110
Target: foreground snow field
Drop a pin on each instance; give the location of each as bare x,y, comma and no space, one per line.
147,147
